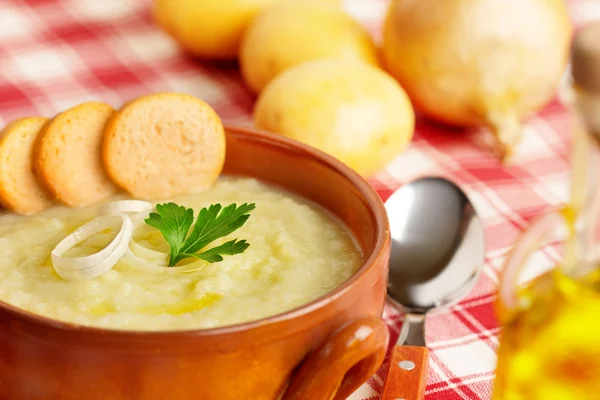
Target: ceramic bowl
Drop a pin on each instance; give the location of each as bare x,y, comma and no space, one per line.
322,350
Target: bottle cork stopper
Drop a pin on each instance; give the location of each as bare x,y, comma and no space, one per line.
585,57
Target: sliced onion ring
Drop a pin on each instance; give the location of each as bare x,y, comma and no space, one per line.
153,256
88,267
160,267
141,209
125,206
137,263
138,222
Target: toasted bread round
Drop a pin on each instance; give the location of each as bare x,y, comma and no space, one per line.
67,159
20,192
164,144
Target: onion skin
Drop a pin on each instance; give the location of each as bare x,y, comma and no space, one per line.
478,62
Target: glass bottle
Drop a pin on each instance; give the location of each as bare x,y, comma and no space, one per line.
550,341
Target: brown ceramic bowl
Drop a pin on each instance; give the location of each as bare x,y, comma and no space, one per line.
329,346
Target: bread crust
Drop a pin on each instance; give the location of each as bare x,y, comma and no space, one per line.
164,144
67,160
20,192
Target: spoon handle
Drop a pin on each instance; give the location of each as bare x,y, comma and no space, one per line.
407,374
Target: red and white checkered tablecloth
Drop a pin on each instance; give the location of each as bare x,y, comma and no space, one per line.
55,54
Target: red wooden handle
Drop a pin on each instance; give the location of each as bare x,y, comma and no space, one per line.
407,373
342,363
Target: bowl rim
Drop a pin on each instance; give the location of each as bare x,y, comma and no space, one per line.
377,252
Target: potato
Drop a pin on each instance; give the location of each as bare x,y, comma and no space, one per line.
211,29
292,32
351,110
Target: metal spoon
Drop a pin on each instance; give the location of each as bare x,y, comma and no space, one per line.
438,249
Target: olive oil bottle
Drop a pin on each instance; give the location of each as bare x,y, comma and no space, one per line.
550,341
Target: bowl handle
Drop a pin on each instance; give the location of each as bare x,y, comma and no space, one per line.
343,362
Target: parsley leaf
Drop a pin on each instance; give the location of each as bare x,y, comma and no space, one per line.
216,253
213,223
173,222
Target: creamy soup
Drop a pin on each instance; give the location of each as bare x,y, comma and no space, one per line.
298,252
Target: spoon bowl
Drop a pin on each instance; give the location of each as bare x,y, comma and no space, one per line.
438,244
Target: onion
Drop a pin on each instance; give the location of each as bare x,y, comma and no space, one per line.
126,206
141,209
151,261
88,267
134,262
146,260
157,257
122,247
478,62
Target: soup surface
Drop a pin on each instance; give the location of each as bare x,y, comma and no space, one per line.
298,252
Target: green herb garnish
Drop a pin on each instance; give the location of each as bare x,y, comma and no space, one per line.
213,223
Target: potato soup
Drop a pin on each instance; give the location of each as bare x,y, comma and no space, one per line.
298,252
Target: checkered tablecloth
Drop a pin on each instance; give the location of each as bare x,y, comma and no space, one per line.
56,54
